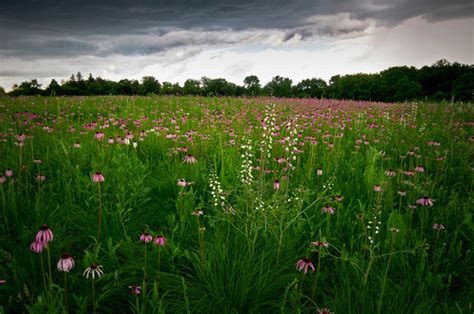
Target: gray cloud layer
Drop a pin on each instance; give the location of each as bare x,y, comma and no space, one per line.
66,29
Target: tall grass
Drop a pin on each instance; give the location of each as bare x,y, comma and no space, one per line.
239,256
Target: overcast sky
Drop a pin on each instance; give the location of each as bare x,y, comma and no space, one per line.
175,40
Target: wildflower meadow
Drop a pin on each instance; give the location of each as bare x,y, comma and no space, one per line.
235,205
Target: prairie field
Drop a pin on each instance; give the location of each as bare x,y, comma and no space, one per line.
235,205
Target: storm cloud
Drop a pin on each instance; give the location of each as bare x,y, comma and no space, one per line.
67,30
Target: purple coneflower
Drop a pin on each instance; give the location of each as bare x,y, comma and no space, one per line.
183,183
40,178
110,140
276,185
402,193
189,159
98,177
135,289
438,227
390,173
99,135
160,241
146,238
303,265
44,235
37,247
8,172
328,209
325,311
3,281
197,213
319,172
320,243
394,230
420,169
425,201
65,263
93,270
3,179
77,145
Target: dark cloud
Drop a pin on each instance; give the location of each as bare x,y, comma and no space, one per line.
63,28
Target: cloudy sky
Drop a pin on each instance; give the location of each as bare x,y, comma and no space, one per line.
174,40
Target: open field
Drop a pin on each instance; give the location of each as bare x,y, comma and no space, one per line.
232,205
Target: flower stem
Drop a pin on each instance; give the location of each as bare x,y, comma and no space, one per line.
65,292
49,266
99,215
93,296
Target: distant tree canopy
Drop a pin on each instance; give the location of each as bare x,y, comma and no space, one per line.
441,81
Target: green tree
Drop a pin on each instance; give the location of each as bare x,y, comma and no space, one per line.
311,88
252,85
279,87
150,85
191,87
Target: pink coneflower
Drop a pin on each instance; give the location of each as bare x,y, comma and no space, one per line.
394,230
110,140
160,241
408,173
99,135
183,183
8,172
77,145
325,311
438,227
3,179
320,244
338,198
44,235
98,177
304,264
390,173
276,185
146,238
37,161
377,188
402,193
21,137
319,172
420,169
328,209
440,158
3,281
93,270
40,178
65,263
412,206
197,213
189,159
37,246
135,289
425,201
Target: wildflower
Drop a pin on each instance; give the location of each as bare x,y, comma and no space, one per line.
394,230
303,265
183,183
65,263
135,289
377,188
390,173
160,241
99,135
425,201
93,270
37,247
98,177
438,227
328,209
420,169
77,145
146,238
320,244
2,282
402,193
189,159
40,178
338,198
325,311
110,140
21,137
3,179
411,206
44,235
276,185
8,172
319,172
197,213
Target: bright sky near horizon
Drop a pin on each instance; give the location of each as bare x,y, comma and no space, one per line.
177,40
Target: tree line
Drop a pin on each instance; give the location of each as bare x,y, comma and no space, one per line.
441,81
